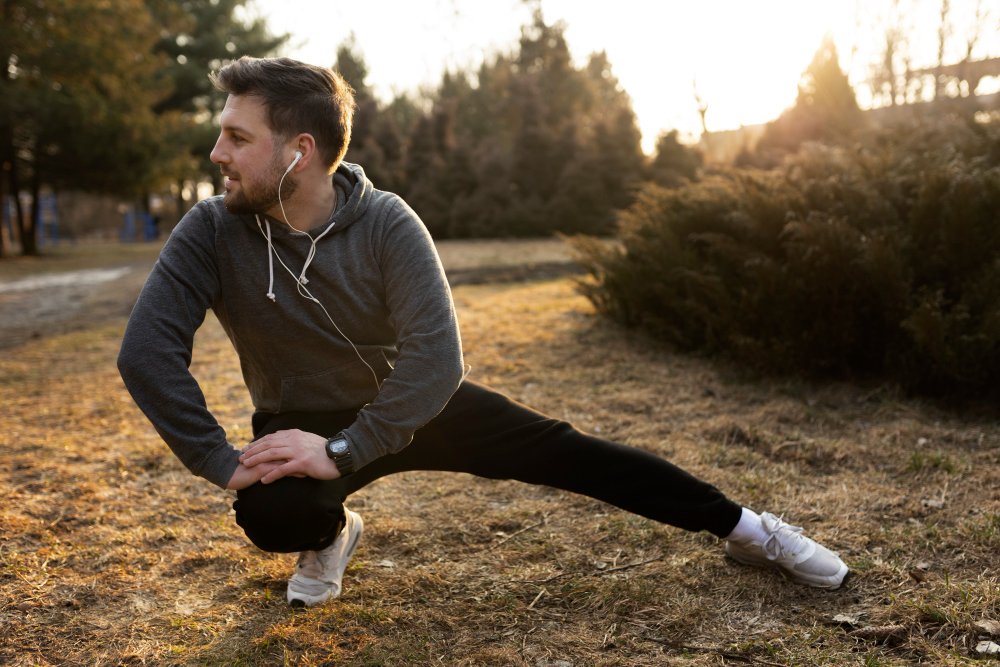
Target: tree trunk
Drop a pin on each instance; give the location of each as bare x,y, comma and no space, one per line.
29,245
15,191
7,156
3,204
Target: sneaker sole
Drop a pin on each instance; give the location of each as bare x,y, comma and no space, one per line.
827,583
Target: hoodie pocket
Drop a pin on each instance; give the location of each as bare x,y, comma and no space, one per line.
347,386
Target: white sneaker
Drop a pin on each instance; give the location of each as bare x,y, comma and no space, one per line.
318,573
787,548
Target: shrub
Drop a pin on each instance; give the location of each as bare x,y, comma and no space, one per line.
880,259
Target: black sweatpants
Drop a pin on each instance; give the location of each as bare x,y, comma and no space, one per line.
484,433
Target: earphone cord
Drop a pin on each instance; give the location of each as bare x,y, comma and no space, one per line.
306,294
301,280
312,248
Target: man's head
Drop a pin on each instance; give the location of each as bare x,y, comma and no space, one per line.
299,98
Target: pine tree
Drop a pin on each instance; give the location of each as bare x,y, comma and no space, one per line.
673,162
825,109
76,104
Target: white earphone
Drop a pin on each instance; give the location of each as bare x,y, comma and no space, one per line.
298,156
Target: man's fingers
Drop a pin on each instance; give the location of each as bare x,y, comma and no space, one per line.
269,441
283,470
254,447
270,453
294,453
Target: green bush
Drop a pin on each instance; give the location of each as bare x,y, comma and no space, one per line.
882,259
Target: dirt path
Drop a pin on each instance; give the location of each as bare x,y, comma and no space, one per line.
54,303
77,289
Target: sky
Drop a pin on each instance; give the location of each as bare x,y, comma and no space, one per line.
742,58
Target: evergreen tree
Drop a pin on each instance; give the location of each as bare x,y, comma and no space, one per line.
526,145
353,68
825,109
673,163
111,96
196,37
562,143
76,104
378,135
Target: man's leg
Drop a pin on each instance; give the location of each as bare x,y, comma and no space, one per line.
294,513
487,434
484,433
303,514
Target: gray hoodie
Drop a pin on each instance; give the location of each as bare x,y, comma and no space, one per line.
376,273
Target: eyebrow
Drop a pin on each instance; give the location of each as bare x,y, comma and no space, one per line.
237,129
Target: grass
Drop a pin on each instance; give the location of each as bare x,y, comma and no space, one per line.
112,554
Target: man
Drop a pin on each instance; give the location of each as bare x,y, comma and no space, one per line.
335,300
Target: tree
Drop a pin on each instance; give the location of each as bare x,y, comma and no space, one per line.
526,145
944,32
825,109
199,36
673,163
566,139
76,104
376,141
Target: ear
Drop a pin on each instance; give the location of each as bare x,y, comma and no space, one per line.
305,144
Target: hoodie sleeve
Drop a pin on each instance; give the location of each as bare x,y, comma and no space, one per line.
156,350
421,311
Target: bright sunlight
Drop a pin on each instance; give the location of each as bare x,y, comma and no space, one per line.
742,60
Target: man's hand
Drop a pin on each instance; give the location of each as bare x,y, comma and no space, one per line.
289,453
244,477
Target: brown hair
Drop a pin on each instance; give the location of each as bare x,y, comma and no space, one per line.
299,98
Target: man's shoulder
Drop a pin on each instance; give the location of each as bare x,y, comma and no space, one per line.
391,208
211,212
203,211
382,199
211,207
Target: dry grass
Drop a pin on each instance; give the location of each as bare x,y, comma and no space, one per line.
113,554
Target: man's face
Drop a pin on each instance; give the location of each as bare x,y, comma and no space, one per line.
250,157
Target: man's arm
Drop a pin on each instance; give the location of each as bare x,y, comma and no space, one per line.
156,350
430,366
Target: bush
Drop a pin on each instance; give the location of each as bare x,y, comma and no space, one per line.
878,260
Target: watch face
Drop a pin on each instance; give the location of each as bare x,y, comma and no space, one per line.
337,447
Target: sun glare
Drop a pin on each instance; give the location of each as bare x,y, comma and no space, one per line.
739,61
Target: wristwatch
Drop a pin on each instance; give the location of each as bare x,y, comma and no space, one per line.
336,449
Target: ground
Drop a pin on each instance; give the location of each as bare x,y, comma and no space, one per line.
113,554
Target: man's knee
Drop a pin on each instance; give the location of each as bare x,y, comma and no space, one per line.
291,514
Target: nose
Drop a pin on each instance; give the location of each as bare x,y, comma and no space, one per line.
218,156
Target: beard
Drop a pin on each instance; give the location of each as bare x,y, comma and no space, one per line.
263,194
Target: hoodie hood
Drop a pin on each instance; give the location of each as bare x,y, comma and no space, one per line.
354,195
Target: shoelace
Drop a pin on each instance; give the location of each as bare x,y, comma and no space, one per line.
774,546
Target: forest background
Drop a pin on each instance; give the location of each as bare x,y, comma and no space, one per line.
836,243
527,144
